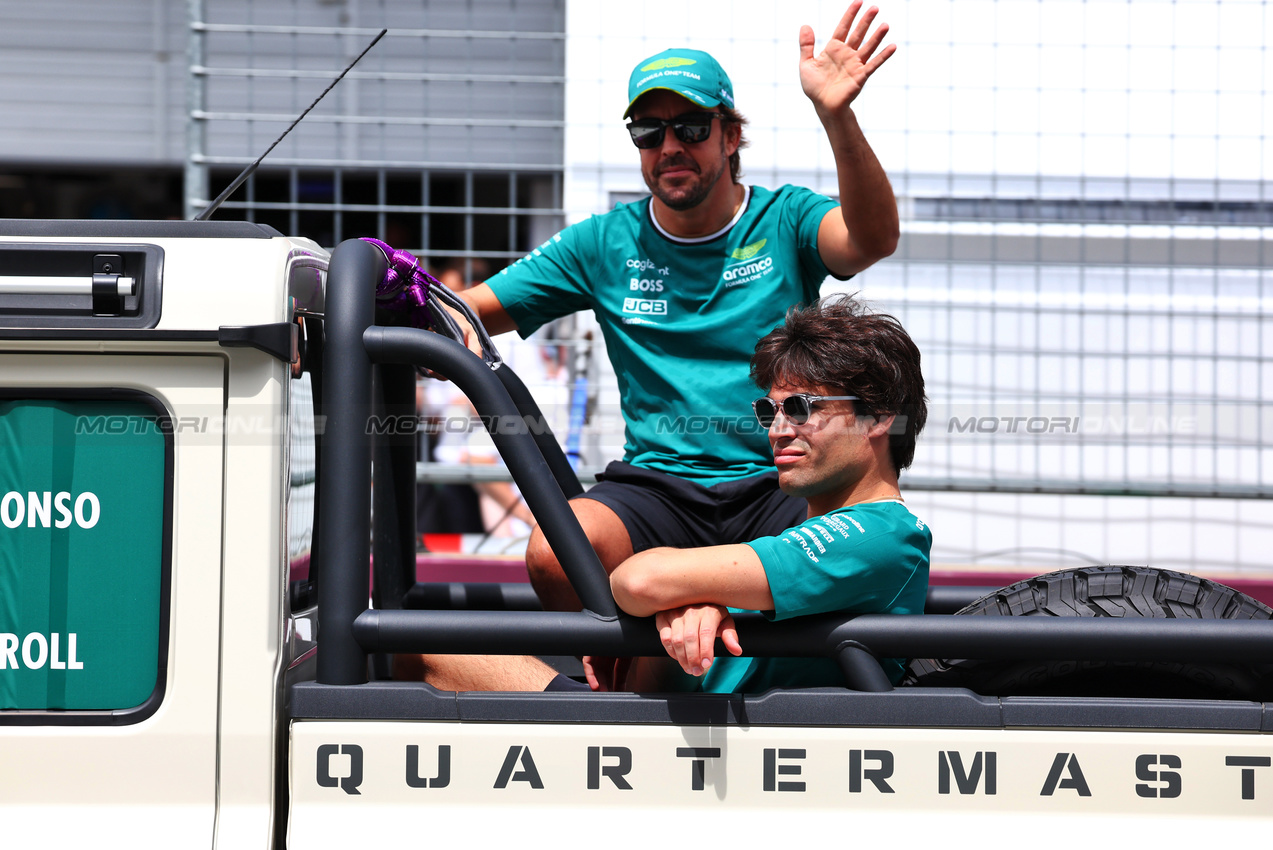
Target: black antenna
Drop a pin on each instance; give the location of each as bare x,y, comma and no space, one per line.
247,172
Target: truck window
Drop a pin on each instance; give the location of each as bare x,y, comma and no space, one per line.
84,507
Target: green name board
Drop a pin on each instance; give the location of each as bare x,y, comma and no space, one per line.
82,486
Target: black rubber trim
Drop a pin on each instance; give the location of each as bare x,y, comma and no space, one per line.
136,714
1126,713
418,701
903,708
830,707
277,339
585,707
74,334
95,229
370,701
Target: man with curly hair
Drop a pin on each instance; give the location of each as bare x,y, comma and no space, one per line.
844,404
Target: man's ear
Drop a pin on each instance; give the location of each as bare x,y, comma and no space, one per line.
881,427
733,134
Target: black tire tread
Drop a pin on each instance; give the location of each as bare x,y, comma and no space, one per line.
1105,591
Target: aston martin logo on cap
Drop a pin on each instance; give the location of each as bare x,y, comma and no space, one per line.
669,62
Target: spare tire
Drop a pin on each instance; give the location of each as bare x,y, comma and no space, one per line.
1112,591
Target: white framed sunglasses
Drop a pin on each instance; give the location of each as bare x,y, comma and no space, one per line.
797,407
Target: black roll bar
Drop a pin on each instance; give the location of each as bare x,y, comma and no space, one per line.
393,489
345,512
519,596
357,350
512,435
562,471
350,631
827,635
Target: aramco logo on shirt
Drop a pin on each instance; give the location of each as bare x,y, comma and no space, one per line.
669,62
748,264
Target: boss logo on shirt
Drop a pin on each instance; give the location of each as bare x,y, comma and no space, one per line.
645,306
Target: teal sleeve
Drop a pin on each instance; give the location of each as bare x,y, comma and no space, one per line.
551,281
866,559
870,562
807,209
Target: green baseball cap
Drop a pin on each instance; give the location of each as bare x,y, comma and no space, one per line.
692,74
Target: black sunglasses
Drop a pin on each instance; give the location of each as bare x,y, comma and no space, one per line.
798,408
690,128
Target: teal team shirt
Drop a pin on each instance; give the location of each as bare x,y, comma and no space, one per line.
869,558
681,319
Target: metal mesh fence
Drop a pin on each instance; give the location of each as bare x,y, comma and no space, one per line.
1085,231
445,139
1085,234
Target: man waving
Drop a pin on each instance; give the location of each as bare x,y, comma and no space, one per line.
685,282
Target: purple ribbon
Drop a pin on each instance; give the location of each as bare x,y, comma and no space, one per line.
405,287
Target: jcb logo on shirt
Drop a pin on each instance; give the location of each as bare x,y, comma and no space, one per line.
645,306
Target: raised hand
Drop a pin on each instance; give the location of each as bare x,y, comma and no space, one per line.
835,77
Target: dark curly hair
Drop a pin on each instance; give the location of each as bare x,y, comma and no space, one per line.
729,116
838,343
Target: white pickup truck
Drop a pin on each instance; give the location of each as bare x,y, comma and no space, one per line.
189,415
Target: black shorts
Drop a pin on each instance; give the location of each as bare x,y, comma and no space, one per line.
562,682
662,510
